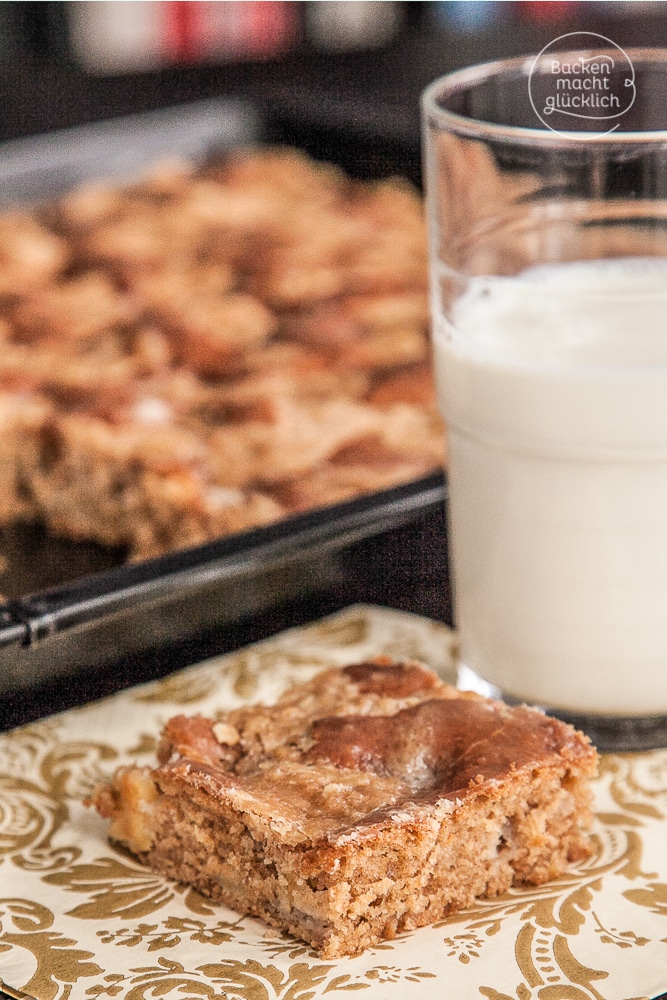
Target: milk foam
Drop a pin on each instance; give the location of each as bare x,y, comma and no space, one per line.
608,312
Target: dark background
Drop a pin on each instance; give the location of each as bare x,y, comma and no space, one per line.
359,108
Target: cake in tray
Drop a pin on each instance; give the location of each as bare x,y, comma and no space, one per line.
211,349
369,801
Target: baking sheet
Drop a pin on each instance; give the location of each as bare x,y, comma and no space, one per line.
95,620
71,605
80,919
119,149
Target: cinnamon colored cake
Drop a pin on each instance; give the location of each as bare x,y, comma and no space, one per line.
369,801
212,348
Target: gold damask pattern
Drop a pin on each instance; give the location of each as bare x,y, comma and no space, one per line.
81,920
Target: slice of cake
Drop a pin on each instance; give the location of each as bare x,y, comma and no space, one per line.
369,801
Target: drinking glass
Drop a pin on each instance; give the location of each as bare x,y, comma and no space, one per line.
548,249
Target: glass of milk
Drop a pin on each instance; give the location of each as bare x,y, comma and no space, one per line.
548,234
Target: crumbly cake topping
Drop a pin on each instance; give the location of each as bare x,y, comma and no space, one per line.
267,337
361,744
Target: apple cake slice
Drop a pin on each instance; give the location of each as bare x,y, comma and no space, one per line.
368,801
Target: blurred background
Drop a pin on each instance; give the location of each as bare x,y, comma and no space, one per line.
339,79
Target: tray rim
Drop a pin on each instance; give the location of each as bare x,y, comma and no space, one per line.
33,619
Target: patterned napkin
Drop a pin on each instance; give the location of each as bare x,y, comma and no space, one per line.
79,919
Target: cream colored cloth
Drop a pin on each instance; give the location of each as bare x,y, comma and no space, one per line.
79,919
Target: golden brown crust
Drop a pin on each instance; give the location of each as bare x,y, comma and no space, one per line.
373,786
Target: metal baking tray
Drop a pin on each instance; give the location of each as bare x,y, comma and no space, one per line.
98,617
67,605
47,165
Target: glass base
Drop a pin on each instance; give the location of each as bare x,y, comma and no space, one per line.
609,733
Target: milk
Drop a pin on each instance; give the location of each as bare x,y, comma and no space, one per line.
553,385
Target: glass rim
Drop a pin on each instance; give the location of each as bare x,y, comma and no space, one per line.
463,79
